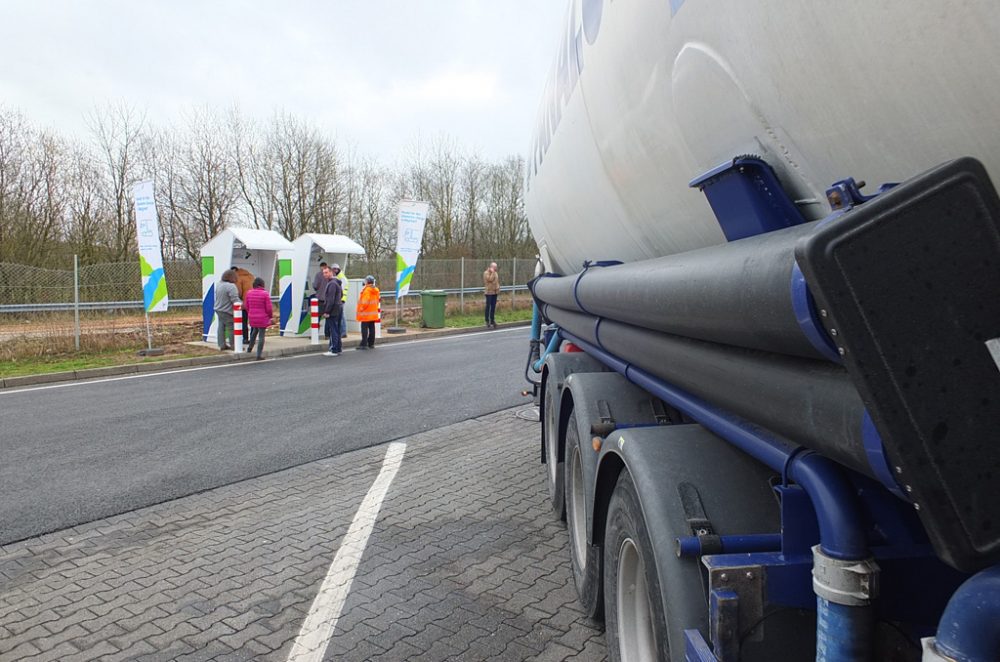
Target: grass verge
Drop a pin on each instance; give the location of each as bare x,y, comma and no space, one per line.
47,364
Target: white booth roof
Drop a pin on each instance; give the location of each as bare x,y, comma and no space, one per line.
265,240
333,243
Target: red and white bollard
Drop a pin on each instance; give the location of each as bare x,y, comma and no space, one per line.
314,319
238,327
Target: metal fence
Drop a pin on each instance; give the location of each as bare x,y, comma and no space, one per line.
117,285
42,313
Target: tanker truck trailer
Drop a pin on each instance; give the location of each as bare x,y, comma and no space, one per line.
770,392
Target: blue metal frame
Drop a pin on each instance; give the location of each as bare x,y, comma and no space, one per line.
694,546
839,509
877,460
846,193
821,478
805,314
747,198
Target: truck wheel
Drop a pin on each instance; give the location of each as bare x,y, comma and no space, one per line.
635,624
586,558
554,468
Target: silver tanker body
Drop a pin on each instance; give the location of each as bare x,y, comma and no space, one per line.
783,335
646,95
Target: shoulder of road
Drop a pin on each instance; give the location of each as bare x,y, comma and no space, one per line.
290,347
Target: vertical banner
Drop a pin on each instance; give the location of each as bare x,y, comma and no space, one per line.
147,231
409,233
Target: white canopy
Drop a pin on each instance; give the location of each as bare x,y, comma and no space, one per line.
333,243
264,240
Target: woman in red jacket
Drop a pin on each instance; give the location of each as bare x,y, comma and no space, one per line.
259,312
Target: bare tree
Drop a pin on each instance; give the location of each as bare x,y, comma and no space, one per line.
218,170
257,186
291,178
86,221
376,209
439,181
40,227
15,140
471,196
505,209
206,180
117,130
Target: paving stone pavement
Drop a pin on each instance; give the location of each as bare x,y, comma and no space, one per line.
466,562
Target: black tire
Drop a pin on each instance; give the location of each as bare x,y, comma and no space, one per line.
587,559
634,620
554,467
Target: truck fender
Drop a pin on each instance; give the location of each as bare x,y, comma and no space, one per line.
599,403
734,489
556,368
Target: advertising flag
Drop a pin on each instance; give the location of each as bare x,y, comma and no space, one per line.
409,234
147,231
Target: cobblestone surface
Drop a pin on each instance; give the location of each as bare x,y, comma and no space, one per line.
465,562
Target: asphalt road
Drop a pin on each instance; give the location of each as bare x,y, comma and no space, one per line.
88,450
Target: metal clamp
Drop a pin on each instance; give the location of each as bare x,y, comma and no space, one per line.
853,583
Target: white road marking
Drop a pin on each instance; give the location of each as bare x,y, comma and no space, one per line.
318,627
993,345
85,382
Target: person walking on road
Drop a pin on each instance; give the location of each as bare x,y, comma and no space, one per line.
333,307
342,277
368,313
259,313
226,295
319,285
491,284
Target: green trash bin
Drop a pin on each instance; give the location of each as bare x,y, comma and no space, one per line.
433,308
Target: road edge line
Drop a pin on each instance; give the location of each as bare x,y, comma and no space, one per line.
318,627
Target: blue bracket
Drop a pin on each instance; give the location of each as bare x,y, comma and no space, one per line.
804,307
846,193
696,649
747,198
697,546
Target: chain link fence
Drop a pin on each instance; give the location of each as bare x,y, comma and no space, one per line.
37,304
113,282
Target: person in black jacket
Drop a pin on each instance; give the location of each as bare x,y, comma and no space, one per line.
333,306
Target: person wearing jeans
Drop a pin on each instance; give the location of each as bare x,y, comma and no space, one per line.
491,285
332,308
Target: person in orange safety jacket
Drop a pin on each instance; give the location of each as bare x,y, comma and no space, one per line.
369,312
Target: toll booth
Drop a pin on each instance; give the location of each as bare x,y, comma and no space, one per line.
253,250
297,269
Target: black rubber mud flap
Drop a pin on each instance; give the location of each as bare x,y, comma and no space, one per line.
910,286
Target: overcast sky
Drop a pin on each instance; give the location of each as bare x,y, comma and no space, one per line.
371,73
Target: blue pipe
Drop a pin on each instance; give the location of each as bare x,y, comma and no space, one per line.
969,629
552,346
691,546
844,632
832,495
536,322
835,502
